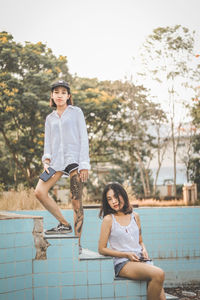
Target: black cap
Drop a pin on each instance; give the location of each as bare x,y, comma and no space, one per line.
60,83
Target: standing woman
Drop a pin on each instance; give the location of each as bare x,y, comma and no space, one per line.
121,228
66,150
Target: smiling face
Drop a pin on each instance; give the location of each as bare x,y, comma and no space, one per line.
60,96
113,200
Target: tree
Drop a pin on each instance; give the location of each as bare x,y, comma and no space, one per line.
100,110
135,134
26,73
167,56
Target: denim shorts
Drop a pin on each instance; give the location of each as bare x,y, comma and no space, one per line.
70,168
119,266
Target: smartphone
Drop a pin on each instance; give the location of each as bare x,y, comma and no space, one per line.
45,176
145,259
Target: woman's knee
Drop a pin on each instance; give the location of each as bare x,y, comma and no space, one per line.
39,193
159,275
76,204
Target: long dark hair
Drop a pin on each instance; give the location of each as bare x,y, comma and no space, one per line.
69,101
118,191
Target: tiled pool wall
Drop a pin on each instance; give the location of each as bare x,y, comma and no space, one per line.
171,235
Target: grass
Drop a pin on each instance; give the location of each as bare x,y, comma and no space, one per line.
19,200
26,200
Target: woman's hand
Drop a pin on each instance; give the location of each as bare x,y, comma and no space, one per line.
132,256
46,166
84,175
145,254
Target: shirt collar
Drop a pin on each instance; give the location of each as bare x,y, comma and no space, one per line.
68,107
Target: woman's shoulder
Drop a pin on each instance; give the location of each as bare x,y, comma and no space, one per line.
76,108
49,116
136,215
108,219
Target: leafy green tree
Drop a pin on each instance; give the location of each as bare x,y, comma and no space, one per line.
26,73
167,58
194,162
100,109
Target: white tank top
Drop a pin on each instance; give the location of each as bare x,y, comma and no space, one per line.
124,238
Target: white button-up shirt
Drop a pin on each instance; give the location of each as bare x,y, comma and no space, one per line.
66,139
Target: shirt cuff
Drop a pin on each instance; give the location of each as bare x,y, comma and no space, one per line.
84,166
46,156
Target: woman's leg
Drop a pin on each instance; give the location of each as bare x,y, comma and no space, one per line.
154,275
41,192
76,188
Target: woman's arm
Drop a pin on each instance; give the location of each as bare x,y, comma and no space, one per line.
47,143
144,251
103,241
46,158
84,160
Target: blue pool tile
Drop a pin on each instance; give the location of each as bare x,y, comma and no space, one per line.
94,277
40,293
10,269
107,264
40,266
94,291
19,295
9,255
143,287
19,283
81,292
23,267
80,278
24,239
53,293
40,280
10,284
2,255
23,253
120,289
8,226
107,276
66,265
23,225
67,278
80,265
28,294
53,252
133,288
108,290
66,252
94,265
3,285
5,296
53,265
53,279
28,281
7,240
2,271
67,292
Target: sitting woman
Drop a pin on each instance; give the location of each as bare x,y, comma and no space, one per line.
121,228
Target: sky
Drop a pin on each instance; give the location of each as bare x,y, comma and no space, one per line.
99,37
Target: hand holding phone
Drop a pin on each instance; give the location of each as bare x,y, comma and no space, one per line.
46,176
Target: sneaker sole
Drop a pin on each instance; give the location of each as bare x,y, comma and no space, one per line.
57,232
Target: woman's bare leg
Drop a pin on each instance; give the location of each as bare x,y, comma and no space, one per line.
154,276
76,188
41,192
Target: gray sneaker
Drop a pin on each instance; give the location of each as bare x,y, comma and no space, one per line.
60,229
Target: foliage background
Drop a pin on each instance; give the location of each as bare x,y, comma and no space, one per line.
121,119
